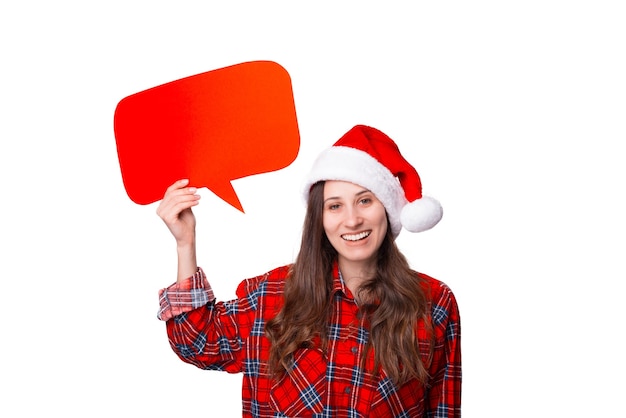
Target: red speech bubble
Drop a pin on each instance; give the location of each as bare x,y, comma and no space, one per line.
211,128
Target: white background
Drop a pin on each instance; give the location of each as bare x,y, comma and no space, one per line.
512,112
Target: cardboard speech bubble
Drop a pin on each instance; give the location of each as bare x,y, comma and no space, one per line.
210,128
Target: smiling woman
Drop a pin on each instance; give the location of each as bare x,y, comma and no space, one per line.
348,329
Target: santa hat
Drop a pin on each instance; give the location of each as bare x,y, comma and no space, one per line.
369,158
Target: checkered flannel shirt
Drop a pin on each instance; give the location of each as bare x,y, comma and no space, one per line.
229,336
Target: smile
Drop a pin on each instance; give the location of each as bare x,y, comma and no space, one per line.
356,237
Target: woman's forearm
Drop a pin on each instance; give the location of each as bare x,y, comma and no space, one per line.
187,263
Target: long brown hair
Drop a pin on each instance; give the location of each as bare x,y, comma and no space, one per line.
394,301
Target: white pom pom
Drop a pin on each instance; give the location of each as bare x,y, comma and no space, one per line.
421,214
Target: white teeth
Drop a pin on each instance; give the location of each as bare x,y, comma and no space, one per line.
356,237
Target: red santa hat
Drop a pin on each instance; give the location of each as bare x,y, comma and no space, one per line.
369,158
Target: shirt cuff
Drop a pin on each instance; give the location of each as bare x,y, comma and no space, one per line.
185,296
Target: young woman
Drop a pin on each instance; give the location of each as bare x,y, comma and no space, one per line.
348,329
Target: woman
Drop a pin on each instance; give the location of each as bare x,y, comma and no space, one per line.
347,330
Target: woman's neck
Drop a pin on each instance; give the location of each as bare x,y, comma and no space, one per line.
354,274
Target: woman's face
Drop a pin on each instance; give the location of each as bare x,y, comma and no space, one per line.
355,222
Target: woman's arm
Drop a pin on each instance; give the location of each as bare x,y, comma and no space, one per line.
175,211
444,395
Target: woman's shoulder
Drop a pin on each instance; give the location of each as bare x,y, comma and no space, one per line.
435,288
271,282
442,300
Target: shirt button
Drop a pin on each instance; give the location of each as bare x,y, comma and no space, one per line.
354,350
347,390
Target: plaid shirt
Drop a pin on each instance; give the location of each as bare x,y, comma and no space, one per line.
230,336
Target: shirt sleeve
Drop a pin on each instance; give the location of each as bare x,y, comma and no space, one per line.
444,393
185,296
206,333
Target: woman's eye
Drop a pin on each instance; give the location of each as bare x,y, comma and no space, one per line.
365,201
334,206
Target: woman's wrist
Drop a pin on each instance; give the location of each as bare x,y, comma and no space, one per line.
187,264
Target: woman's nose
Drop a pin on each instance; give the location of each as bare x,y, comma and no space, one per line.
353,217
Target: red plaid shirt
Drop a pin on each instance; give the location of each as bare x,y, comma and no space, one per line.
230,336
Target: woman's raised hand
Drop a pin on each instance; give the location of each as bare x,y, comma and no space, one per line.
175,211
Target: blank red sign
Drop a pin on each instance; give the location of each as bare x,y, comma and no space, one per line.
211,128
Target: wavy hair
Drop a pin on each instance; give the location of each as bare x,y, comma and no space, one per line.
393,302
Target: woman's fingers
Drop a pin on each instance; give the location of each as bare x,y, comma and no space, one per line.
177,198
177,185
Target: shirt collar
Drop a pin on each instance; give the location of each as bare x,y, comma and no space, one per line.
338,284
